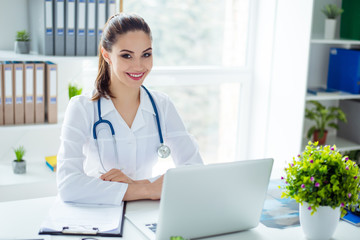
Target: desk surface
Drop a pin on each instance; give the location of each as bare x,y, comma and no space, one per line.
22,219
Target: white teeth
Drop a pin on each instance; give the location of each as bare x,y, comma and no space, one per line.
135,75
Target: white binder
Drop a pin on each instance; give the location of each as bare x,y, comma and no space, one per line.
51,92
49,28
29,92
19,107
80,28
111,8
39,92
101,20
91,28
70,28
59,28
8,93
1,95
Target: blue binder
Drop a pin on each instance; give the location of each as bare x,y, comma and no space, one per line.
344,70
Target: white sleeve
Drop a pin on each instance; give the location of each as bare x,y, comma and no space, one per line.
73,184
184,149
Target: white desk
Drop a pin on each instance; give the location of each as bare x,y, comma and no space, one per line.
21,220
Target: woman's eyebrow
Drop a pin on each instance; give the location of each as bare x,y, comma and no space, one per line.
125,50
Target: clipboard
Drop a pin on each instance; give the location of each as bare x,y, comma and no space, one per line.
84,230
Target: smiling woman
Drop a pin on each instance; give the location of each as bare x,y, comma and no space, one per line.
110,137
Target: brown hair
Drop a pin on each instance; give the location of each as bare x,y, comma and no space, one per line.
115,26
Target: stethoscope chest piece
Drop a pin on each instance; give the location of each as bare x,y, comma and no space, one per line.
163,151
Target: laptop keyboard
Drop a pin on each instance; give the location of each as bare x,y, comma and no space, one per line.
152,226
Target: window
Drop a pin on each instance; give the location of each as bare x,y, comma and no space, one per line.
200,60
196,32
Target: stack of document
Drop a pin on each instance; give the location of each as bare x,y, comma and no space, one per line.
84,219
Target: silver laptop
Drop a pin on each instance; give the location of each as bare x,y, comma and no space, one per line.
207,200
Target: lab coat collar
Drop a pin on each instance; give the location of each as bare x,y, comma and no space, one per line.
145,105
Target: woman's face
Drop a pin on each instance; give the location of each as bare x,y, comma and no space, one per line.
130,59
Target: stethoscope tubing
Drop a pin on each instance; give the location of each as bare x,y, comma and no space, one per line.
163,150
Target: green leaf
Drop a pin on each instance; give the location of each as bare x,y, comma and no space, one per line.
311,132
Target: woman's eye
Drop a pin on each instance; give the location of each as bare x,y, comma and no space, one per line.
147,55
126,56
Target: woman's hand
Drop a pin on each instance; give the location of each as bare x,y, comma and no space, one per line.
144,190
116,175
155,188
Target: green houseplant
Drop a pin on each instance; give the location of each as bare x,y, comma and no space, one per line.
331,12
323,118
74,90
321,179
22,43
19,164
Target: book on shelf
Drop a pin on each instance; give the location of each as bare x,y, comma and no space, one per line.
321,91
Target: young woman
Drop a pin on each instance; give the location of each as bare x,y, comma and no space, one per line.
111,138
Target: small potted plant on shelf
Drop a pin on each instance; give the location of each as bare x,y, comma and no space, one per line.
331,12
22,43
19,164
323,182
74,90
323,117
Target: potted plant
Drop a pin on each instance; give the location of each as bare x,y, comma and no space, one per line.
74,90
323,182
323,117
19,164
331,12
22,43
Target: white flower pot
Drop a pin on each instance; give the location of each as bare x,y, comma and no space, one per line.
330,27
322,224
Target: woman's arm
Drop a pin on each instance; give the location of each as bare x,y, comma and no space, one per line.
74,185
137,189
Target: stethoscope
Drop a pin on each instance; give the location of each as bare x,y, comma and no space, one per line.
163,150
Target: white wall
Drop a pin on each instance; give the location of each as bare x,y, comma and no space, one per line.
279,85
11,23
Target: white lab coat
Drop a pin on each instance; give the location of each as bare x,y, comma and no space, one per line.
79,166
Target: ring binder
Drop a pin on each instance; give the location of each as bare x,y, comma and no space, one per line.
83,230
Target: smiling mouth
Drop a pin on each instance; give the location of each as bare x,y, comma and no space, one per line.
135,76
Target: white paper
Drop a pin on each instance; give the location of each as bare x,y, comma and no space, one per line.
71,15
29,76
52,82
8,82
112,8
48,20
19,83
81,17
60,14
91,15
101,15
39,82
107,218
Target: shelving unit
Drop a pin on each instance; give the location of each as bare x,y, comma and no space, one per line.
317,74
335,96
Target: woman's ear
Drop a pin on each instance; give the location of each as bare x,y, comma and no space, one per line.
105,55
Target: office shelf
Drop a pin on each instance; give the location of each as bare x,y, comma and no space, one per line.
11,55
321,40
338,96
340,143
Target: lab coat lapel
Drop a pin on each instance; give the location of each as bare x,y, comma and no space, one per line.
106,106
145,107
